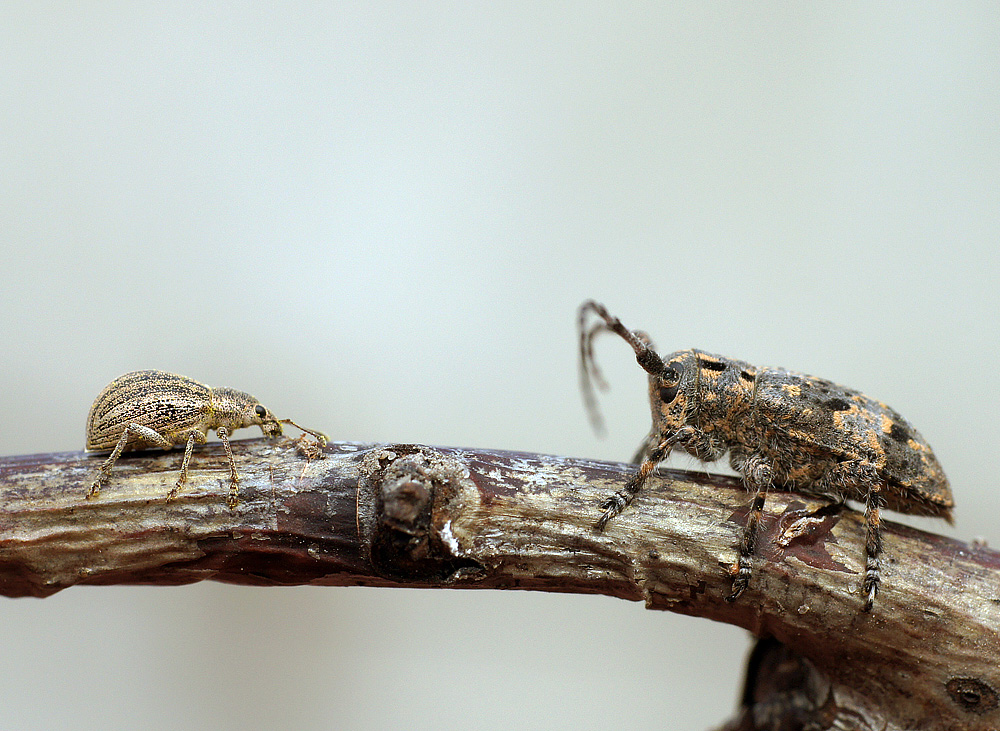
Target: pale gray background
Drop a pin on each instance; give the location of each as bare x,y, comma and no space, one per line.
380,219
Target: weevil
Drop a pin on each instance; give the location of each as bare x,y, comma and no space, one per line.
781,429
145,409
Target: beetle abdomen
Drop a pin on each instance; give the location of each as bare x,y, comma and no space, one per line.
165,402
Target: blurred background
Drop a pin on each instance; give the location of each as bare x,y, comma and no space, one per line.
381,218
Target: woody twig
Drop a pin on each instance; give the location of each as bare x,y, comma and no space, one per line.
408,515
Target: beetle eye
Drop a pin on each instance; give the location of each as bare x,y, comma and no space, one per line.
672,381
259,410
668,393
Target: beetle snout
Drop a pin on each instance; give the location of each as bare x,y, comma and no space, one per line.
271,428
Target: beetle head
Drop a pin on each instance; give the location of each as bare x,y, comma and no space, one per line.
671,390
271,425
262,417
236,409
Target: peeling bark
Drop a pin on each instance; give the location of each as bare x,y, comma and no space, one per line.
926,657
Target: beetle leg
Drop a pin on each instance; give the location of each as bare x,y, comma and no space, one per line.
138,432
873,544
648,443
863,473
234,476
615,504
756,476
194,436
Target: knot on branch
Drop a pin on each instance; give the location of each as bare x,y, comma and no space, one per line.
972,695
417,491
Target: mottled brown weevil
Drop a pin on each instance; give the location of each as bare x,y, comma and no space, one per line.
782,429
146,409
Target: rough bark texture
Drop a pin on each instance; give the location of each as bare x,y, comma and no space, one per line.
926,657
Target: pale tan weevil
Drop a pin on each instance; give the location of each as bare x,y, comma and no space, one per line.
151,408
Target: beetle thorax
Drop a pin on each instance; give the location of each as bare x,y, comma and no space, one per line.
232,409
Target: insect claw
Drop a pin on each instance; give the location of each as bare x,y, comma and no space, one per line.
740,571
738,588
613,506
870,587
96,487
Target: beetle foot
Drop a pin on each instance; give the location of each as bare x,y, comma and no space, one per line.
613,506
95,488
172,495
871,583
740,571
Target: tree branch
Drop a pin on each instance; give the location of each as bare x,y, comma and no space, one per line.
927,656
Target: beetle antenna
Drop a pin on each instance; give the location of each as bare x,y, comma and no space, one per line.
320,436
590,374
